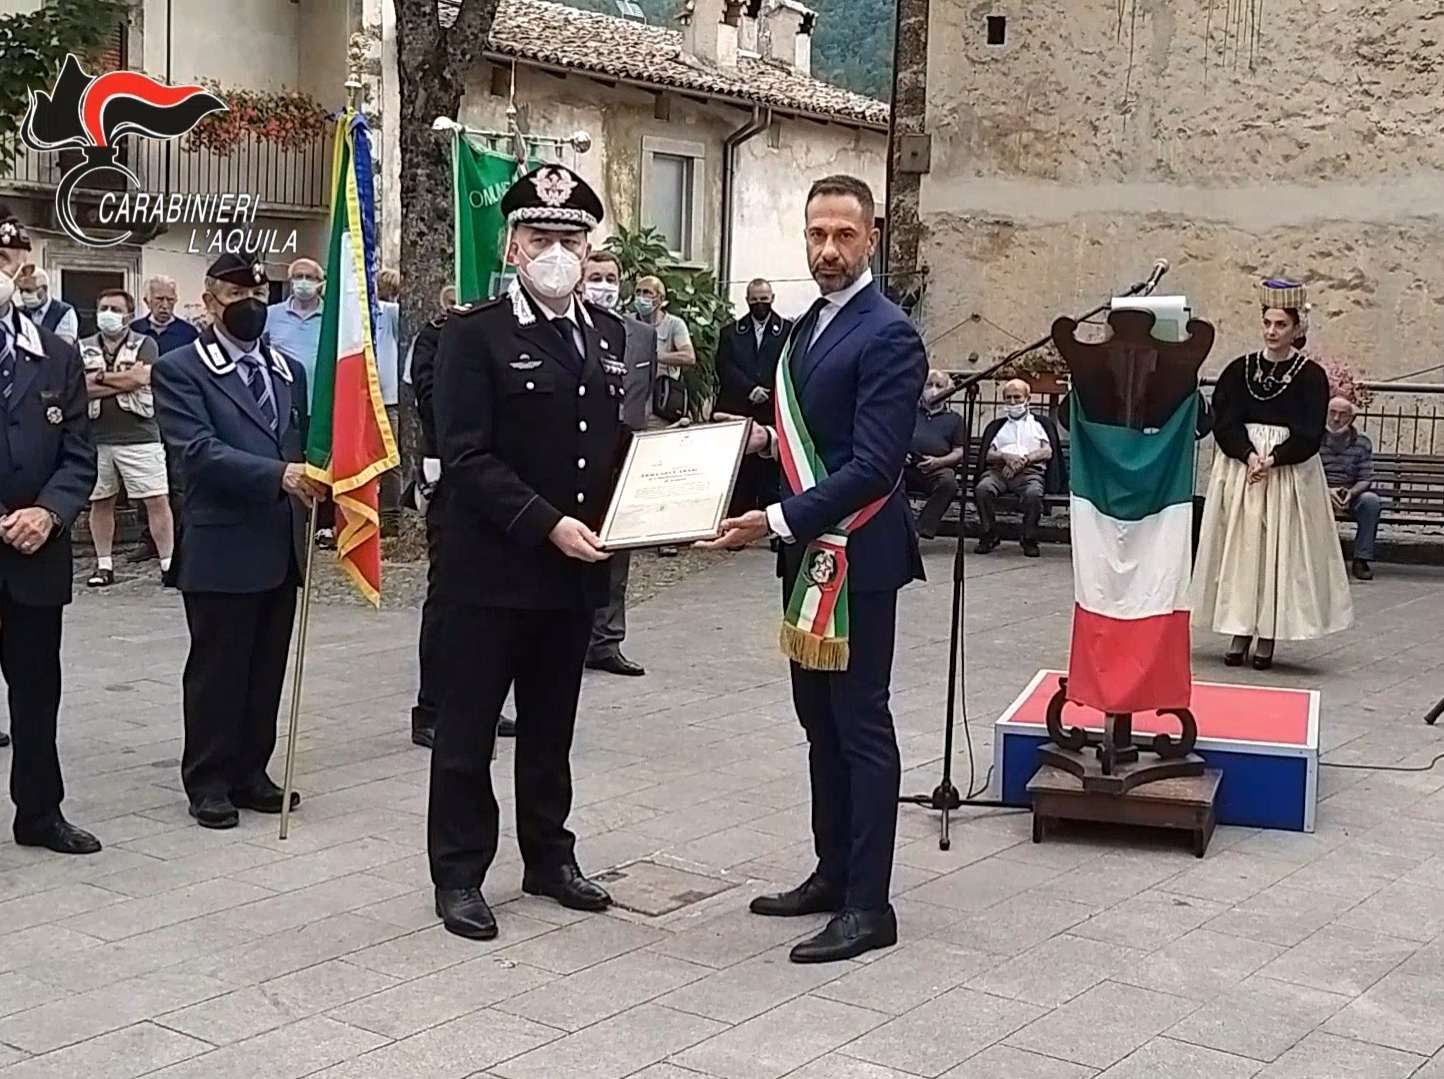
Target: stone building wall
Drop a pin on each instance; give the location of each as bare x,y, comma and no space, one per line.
1236,138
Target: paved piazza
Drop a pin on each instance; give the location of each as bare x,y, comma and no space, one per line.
187,954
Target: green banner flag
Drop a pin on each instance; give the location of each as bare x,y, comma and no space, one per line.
480,178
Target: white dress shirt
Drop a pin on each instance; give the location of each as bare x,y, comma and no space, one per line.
836,301
1021,437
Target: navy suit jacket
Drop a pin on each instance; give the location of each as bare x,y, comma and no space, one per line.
242,532
858,387
47,458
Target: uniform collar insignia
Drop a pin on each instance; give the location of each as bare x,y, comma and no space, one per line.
28,337
520,306
220,363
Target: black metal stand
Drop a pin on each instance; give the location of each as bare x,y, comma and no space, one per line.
946,797
1435,712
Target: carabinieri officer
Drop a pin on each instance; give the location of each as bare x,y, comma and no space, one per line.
47,469
527,405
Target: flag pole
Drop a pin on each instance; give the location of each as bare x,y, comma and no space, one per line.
304,620
355,56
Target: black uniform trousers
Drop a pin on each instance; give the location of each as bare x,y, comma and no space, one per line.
541,654
30,661
231,686
853,757
429,660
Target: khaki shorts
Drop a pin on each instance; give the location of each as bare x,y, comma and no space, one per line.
140,468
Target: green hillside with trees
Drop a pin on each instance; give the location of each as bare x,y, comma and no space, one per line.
852,46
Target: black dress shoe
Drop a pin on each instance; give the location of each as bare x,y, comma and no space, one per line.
847,936
423,736
506,728
986,545
464,912
57,834
568,887
1263,654
616,664
4,739
263,797
213,811
1030,549
1362,571
812,896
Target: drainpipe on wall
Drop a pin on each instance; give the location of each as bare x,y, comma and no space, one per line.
760,122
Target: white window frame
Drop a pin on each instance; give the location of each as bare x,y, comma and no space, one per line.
697,152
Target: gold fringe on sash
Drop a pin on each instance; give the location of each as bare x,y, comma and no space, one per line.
811,652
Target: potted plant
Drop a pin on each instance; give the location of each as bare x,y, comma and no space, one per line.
288,119
1344,381
1044,369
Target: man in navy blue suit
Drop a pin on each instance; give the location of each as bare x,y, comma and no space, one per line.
856,368
233,412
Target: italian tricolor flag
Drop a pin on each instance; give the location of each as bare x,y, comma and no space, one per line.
350,443
1132,522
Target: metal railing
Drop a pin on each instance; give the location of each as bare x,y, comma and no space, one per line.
280,179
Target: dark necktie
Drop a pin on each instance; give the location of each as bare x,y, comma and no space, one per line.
7,360
260,387
563,327
807,328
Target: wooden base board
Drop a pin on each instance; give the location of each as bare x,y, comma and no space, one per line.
1184,803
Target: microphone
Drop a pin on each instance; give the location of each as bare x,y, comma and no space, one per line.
1160,267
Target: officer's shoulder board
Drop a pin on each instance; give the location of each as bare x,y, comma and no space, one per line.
462,310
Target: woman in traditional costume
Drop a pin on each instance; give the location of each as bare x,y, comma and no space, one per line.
1269,563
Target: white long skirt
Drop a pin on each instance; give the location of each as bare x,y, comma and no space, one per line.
1269,562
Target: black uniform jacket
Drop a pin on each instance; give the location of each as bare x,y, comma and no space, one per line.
529,432
423,379
742,365
47,458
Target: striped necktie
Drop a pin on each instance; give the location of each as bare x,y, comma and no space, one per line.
250,367
7,360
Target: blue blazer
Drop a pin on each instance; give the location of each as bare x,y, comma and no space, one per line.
858,388
242,532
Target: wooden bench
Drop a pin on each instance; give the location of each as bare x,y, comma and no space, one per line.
1410,488
1007,504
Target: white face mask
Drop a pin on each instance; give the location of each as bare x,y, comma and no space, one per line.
603,293
1015,412
303,288
7,288
109,323
554,273
30,299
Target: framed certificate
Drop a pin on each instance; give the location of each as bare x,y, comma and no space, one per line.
675,485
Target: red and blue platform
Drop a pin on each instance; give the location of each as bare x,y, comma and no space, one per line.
1264,739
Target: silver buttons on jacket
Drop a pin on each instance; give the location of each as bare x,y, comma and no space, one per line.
582,425
581,498
531,385
581,391
581,462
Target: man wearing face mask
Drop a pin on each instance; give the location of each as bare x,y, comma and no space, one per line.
233,412
939,446
528,409
747,354
601,285
47,470
44,310
122,410
1019,449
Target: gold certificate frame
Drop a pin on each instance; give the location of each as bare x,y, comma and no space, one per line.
675,485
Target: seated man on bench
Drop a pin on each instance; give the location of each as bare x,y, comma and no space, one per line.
939,446
1348,459
1017,448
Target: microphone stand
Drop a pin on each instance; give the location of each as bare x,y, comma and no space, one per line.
945,797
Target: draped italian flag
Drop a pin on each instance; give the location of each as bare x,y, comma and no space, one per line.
1131,513
350,444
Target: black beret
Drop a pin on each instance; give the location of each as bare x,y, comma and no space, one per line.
12,231
238,270
552,197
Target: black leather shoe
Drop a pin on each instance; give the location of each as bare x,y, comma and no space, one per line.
4,739
423,726
986,545
464,912
423,736
616,664
812,896
263,797
1362,571
506,728
568,887
847,936
59,835
213,811
1030,549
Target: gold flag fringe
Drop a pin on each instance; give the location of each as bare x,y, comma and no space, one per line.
812,652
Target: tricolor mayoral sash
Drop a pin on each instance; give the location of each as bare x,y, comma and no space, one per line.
814,623
1131,515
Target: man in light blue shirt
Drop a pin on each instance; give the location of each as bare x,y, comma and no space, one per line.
294,324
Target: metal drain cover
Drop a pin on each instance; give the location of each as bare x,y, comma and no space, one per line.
653,889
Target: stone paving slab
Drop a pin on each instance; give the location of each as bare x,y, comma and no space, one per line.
187,954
